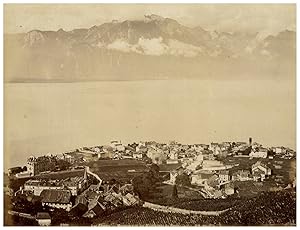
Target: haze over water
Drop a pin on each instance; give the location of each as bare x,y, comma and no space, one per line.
55,117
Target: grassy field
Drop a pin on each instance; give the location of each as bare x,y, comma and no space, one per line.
121,170
108,162
252,188
117,165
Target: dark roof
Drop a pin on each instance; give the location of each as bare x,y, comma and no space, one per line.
56,196
94,187
258,172
259,163
243,172
90,195
213,181
126,188
81,199
224,172
206,175
43,215
97,208
79,209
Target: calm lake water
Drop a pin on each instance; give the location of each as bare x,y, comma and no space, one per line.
54,117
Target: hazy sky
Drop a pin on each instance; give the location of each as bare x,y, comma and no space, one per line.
266,18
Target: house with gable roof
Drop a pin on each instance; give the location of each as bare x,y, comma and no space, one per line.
57,198
260,171
95,208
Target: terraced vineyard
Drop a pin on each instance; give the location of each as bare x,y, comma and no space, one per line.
208,204
139,216
272,208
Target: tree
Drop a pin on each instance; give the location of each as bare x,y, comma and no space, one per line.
146,159
142,185
59,216
63,165
175,193
183,179
154,169
145,184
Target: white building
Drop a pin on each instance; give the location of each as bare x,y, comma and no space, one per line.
200,179
173,155
117,145
74,185
260,153
24,174
224,176
136,155
173,176
215,148
279,150
172,161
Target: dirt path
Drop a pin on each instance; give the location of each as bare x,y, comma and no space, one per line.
21,214
169,209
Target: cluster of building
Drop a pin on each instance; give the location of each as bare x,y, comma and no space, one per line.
170,153
77,194
214,177
44,164
217,180
97,199
74,184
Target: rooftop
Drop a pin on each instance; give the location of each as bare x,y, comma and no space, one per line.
56,196
43,215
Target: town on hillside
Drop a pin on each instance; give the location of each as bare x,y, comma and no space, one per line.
100,185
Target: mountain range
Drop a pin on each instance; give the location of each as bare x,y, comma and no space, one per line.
153,48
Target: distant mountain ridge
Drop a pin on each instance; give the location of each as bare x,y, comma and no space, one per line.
154,48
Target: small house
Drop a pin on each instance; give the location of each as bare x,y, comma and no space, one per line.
224,176
260,171
260,166
130,200
200,178
229,189
43,219
95,208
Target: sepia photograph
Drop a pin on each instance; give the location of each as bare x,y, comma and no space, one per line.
144,114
